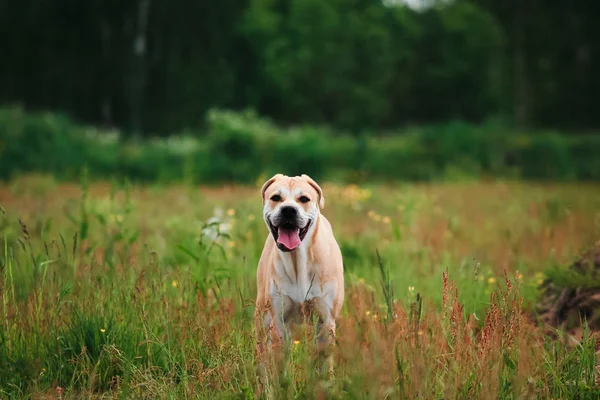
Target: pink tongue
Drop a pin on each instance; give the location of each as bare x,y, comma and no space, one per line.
289,238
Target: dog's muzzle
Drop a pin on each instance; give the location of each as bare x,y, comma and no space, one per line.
287,230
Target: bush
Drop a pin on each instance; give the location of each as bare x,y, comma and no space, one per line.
241,147
51,143
236,144
303,151
584,151
546,156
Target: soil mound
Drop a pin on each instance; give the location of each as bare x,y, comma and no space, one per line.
563,305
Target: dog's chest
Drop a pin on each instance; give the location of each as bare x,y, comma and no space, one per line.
300,282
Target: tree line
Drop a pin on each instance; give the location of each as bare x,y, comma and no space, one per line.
157,66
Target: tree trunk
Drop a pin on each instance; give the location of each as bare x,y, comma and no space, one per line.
106,103
138,77
521,79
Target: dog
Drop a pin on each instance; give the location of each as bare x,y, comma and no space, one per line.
301,262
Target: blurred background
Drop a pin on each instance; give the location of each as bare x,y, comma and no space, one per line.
349,90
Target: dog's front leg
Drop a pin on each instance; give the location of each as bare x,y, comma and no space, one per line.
282,305
326,329
262,322
326,326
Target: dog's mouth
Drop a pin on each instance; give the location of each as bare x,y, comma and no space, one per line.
288,236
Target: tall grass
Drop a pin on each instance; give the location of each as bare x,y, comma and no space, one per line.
155,300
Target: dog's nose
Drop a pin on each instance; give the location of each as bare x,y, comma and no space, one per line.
289,212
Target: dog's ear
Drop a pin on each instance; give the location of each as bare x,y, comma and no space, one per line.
315,185
267,184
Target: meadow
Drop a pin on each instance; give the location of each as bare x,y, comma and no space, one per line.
113,290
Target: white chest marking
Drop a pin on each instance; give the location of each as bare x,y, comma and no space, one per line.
305,284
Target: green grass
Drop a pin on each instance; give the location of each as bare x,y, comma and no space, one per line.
110,290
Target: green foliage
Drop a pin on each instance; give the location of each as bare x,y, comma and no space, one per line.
547,156
241,147
355,64
236,146
351,64
565,277
363,65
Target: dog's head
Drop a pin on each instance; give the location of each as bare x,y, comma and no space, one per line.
291,205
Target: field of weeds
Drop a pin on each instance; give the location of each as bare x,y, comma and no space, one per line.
115,291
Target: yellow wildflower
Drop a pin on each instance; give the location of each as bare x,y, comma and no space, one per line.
174,283
491,280
102,330
231,212
231,244
386,220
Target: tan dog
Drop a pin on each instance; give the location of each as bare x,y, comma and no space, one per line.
301,262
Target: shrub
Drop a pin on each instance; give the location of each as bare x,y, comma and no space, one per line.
241,147
236,146
546,156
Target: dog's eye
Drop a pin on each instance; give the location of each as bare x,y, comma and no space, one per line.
304,199
276,198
